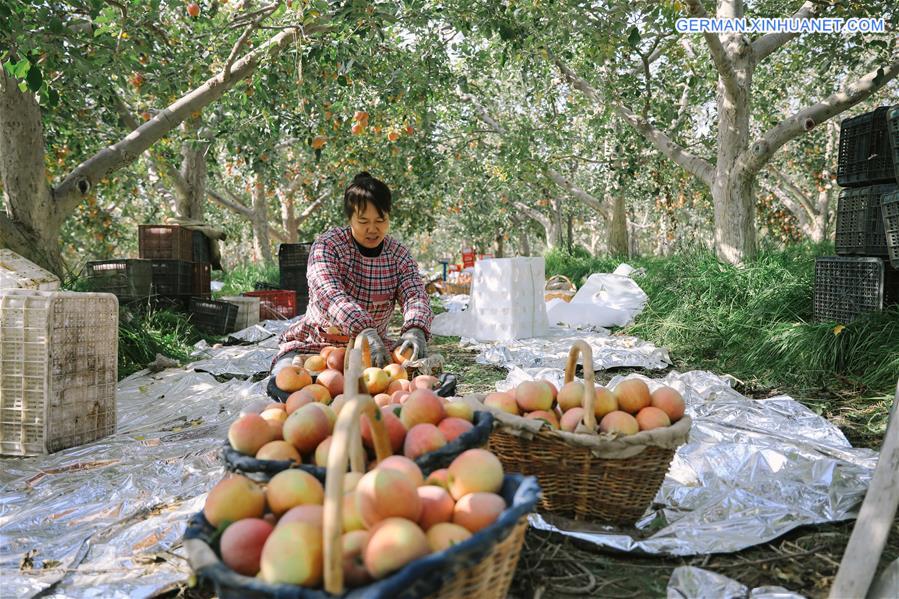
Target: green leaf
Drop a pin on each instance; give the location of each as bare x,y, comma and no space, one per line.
52,97
35,78
633,38
20,69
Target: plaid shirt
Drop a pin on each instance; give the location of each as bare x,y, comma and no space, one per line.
352,292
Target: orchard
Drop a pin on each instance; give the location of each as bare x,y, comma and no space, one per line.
624,323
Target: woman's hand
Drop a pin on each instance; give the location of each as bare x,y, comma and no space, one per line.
380,356
414,338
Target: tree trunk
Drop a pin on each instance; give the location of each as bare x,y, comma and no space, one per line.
499,245
262,249
733,193
556,224
30,222
618,237
191,199
289,215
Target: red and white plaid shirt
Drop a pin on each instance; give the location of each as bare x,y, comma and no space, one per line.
352,292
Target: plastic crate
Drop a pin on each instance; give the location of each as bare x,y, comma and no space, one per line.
889,210
212,316
58,369
201,251
294,255
302,303
17,272
173,277
201,279
846,287
126,278
865,156
295,280
247,310
275,304
893,129
859,227
166,242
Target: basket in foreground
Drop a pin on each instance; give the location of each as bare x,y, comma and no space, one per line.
481,566
606,480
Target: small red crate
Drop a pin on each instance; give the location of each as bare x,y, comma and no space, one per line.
468,257
275,304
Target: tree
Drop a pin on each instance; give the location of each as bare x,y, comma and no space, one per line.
732,176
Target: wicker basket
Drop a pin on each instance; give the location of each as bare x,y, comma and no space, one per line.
576,483
559,286
482,566
58,369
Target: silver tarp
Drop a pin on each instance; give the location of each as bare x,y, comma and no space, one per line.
752,470
609,351
105,519
689,582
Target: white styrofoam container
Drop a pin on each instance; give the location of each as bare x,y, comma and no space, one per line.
247,310
17,272
58,369
507,299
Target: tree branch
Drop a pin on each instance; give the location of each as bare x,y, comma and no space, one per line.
263,14
233,204
313,207
577,192
695,165
533,214
723,63
769,42
794,190
757,155
178,181
79,182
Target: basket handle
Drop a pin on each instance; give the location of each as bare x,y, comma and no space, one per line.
346,431
581,348
558,279
360,343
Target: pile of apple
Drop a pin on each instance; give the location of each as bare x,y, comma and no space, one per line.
392,515
625,410
417,419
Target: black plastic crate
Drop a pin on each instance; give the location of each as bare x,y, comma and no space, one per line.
893,129
889,209
173,277
847,286
201,252
201,279
859,229
866,157
212,316
295,280
293,255
302,303
127,278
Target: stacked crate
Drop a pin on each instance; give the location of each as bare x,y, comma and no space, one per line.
292,260
860,278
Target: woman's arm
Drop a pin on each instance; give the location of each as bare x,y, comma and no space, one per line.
411,295
325,282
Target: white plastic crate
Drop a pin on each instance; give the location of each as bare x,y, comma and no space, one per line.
247,310
17,272
58,369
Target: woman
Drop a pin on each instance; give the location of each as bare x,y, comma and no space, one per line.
355,275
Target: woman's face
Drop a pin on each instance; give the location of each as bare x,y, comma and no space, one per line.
369,227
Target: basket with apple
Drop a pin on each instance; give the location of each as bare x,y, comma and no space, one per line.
385,533
599,454
421,425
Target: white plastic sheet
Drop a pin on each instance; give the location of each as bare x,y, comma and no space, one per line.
690,582
605,300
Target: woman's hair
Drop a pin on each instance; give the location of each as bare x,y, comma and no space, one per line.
363,189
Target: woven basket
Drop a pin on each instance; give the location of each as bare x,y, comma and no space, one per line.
559,286
575,483
481,566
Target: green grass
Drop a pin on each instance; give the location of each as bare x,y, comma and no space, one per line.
244,277
754,322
